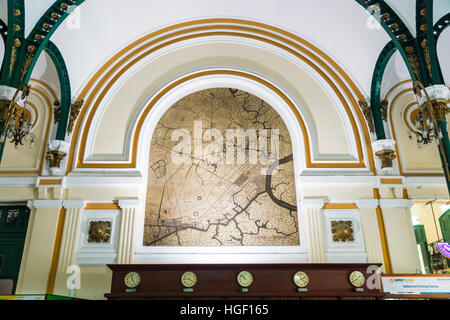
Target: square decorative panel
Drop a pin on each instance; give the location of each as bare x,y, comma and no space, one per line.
99,232
342,231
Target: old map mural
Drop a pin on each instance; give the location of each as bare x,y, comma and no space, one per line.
205,199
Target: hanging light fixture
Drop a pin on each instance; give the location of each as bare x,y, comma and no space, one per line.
425,125
15,120
430,112
19,131
425,131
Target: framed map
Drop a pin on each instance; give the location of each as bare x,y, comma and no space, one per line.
221,173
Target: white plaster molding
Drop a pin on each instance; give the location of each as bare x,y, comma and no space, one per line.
396,203
312,203
328,180
224,258
129,203
88,180
17,181
346,257
74,204
436,92
45,204
351,142
7,93
418,182
97,253
58,145
385,144
344,251
367,203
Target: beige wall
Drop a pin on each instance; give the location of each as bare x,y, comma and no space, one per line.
422,214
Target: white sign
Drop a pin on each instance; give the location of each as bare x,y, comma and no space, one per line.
439,284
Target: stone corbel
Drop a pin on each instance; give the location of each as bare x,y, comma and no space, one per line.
385,151
57,151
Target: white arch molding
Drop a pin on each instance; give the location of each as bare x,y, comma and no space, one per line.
220,254
316,157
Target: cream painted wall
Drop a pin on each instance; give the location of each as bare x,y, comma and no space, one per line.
38,252
106,193
401,240
327,124
95,282
337,193
20,193
422,214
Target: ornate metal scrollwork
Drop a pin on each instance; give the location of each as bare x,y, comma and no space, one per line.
367,112
99,232
342,231
75,110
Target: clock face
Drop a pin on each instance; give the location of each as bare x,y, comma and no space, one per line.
188,279
357,279
132,279
245,279
301,279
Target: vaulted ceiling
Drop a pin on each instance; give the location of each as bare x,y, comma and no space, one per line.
343,29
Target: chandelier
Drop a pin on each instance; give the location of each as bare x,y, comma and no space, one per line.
19,131
16,121
425,131
425,125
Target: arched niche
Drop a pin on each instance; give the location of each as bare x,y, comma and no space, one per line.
274,249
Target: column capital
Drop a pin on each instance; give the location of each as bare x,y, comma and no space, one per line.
128,203
396,203
312,203
435,92
44,204
367,203
74,204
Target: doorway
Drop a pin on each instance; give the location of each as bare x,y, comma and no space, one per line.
13,229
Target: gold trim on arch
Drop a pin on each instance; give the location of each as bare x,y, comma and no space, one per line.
395,87
203,29
46,86
391,110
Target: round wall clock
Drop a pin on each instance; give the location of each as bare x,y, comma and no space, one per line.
357,279
132,279
188,279
301,279
245,279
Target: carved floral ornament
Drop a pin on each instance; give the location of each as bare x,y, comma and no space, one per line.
99,232
342,231
75,110
367,112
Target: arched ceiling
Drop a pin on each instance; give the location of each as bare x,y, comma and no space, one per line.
440,9
340,28
443,51
343,29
